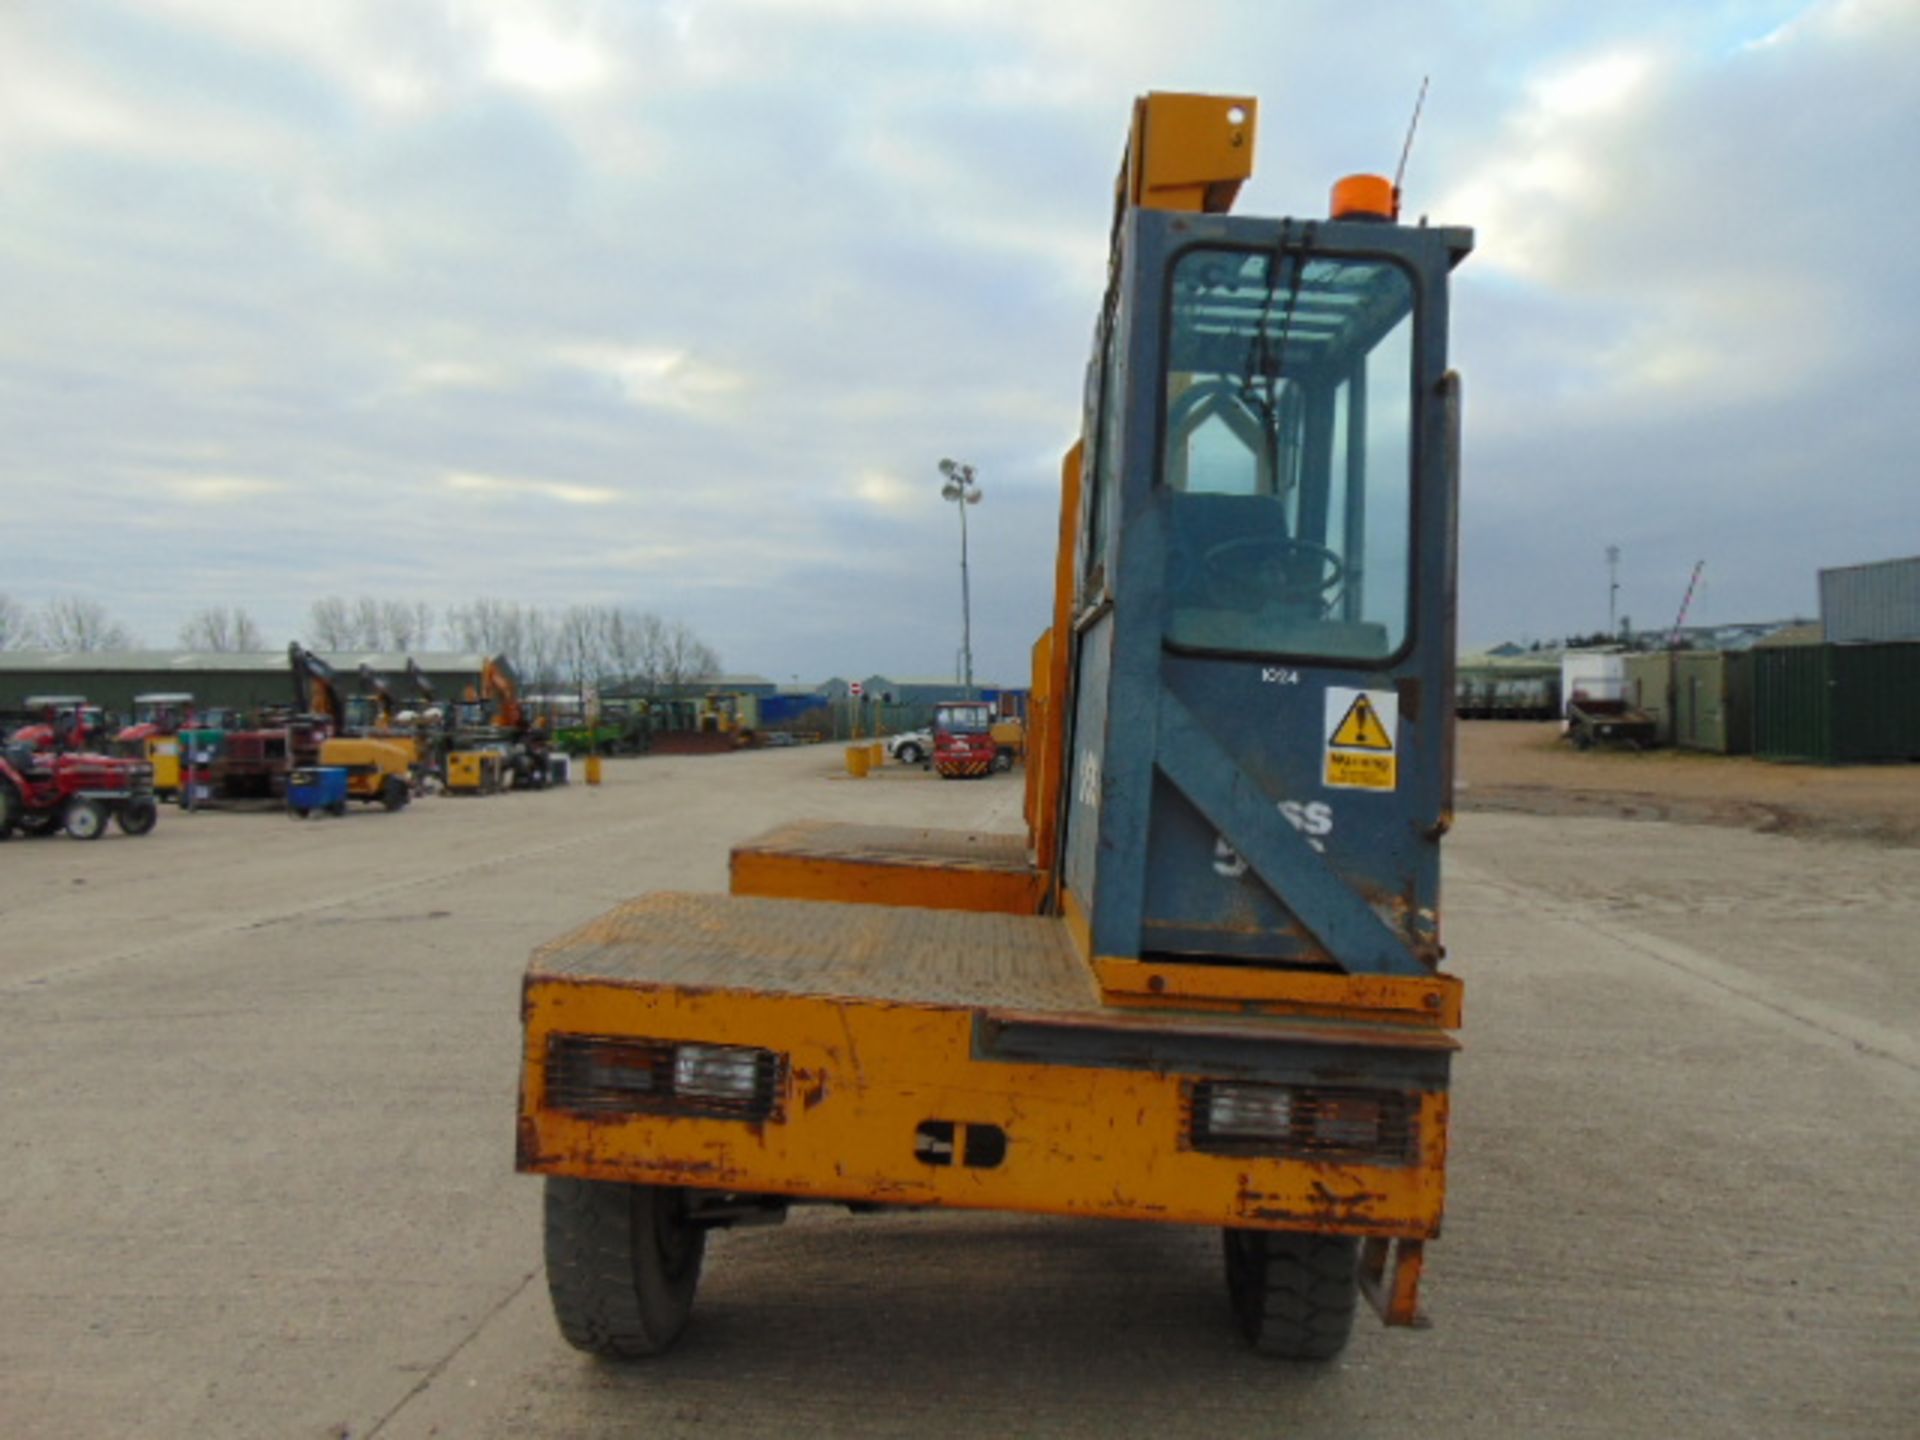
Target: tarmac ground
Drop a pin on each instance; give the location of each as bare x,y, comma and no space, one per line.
259,1135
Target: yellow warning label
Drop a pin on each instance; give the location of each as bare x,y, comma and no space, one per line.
1361,728
1361,725
1362,770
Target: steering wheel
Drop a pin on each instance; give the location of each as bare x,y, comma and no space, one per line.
1244,573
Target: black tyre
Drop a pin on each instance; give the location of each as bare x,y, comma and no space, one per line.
623,1262
910,754
1293,1295
393,792
85,819
1002,761
11,808
139,815
338,807
298,812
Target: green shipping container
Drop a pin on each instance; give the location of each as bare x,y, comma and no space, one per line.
1713,701
1837,704
1650,691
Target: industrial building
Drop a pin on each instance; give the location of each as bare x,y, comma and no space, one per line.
239,681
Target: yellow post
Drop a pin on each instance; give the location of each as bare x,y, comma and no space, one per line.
859,760
593,728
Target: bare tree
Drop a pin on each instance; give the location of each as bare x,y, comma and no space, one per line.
489,625
583,645
330,624
17,630
221,630
536,649
627,647
81,625
685,657
581,654
405,624
368,623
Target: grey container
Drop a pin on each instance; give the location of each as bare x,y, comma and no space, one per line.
1871,604
1713,701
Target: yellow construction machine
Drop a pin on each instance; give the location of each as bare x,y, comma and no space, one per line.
1205,988
379,768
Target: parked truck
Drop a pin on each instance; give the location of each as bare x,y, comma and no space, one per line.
1205,987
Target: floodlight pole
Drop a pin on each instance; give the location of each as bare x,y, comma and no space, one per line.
960,489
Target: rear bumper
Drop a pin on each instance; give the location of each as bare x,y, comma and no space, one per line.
1082,1114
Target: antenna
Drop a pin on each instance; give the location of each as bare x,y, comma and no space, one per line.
1400,171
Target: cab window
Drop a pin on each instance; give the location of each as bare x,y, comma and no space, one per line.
1288,454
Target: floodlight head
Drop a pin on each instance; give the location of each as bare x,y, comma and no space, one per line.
950,491
973,496
947,467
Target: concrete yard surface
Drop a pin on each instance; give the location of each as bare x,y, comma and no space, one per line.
259,1135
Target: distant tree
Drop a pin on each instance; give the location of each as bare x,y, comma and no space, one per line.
685,657
369,623
405,625
581,652
81,625
582,645
330,624
221,630
17,630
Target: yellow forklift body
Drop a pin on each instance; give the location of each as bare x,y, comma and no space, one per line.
942,1058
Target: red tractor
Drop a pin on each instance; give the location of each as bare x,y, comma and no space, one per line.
45,791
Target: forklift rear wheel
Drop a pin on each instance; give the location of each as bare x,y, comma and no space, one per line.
393,792
623,1262
86,819
298,812
139,815
1293,1295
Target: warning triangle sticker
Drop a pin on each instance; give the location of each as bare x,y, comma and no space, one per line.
1361,728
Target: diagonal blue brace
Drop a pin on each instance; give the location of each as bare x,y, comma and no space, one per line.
1298,875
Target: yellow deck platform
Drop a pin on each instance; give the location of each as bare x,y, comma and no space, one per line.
891,865
889,1025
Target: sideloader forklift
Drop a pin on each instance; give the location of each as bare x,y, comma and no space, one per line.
1205,988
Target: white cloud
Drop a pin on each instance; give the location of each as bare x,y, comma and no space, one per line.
218,489
883,491
658,376
530,47
472,483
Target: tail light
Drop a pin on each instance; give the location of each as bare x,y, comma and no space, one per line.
607,1075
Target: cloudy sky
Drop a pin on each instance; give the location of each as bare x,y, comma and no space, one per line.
677,303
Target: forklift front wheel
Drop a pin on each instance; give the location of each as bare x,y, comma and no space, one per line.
393,792
623,1262
1293,1295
